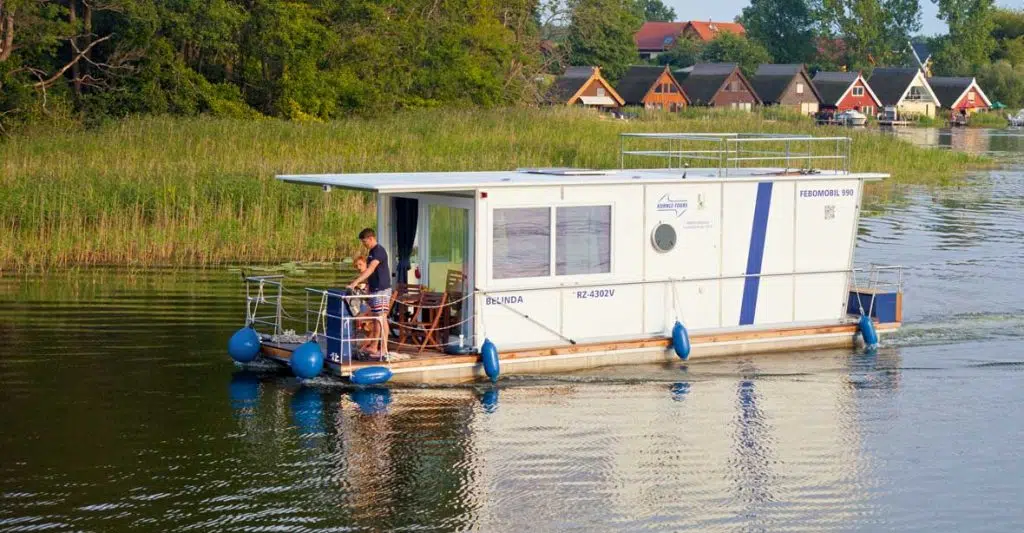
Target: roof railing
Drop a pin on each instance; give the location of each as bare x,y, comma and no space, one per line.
733,151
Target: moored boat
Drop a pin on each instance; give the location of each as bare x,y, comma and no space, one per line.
737,244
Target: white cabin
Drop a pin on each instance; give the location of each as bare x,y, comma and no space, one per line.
567,256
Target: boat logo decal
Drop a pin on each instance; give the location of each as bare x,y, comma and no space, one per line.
668,204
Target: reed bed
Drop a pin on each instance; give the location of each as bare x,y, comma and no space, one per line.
200,191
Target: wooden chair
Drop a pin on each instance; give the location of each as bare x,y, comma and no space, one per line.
427,332
405,308
455,288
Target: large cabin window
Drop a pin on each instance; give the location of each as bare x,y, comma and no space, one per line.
583,240
522,242
858,91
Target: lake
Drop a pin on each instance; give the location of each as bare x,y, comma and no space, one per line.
120,410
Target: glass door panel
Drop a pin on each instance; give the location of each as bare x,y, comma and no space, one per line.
447,266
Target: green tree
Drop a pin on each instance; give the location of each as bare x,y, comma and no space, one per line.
1003,82
1008,31
601,33
784,27
728,47
683,53
656,10
874,32
970,43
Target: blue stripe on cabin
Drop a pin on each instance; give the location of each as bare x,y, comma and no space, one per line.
756,254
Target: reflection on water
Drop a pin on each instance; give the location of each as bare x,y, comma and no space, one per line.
120,410
1007,142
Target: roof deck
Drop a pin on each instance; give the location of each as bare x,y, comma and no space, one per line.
676,156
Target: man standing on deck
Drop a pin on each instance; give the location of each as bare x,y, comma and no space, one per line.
378,280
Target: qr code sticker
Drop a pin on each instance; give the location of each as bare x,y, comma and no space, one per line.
830,212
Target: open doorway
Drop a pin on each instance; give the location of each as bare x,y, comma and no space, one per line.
433,248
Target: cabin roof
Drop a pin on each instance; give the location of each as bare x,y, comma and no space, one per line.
638,81
922,53
833,86
705,80
891,84
568,84
950,90
412,182
771,81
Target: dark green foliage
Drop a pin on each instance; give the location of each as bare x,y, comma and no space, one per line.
1008,31
683,53
601,34
784,27
970,43
1003,82
300,59
874,32
656,10
728,47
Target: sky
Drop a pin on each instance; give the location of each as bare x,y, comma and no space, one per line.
726,10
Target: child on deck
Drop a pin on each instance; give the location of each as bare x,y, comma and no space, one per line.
363,323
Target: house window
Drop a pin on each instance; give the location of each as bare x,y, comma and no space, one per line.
799,88
583,240
522,242
970,97
600,91
868,110
917,94
657,88
858,91
671,88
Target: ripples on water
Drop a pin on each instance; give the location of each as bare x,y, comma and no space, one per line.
119,410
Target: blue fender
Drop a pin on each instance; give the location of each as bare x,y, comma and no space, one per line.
867,331
371,375
244,345
681,341
307,360
489,357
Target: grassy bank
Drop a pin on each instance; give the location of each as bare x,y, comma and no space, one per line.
150,191
991,119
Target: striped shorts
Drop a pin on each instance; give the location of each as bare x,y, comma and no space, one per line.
379,301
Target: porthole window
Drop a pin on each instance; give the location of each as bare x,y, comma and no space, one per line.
663,237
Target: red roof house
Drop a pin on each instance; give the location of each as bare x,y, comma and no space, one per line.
656,37
707,31
959,94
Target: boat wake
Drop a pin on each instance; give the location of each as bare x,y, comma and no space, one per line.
969,327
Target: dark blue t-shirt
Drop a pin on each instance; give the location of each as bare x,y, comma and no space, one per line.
381,277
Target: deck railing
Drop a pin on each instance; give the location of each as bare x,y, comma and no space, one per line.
265,291
725,152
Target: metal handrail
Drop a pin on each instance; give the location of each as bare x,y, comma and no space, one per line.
736,150
252,302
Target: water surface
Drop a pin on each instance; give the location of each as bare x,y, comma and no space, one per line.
120,411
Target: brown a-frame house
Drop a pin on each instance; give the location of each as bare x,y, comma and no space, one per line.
586,87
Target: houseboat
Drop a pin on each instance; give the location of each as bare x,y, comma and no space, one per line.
733,245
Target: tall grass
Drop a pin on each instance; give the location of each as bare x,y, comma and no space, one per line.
990,119
169,191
